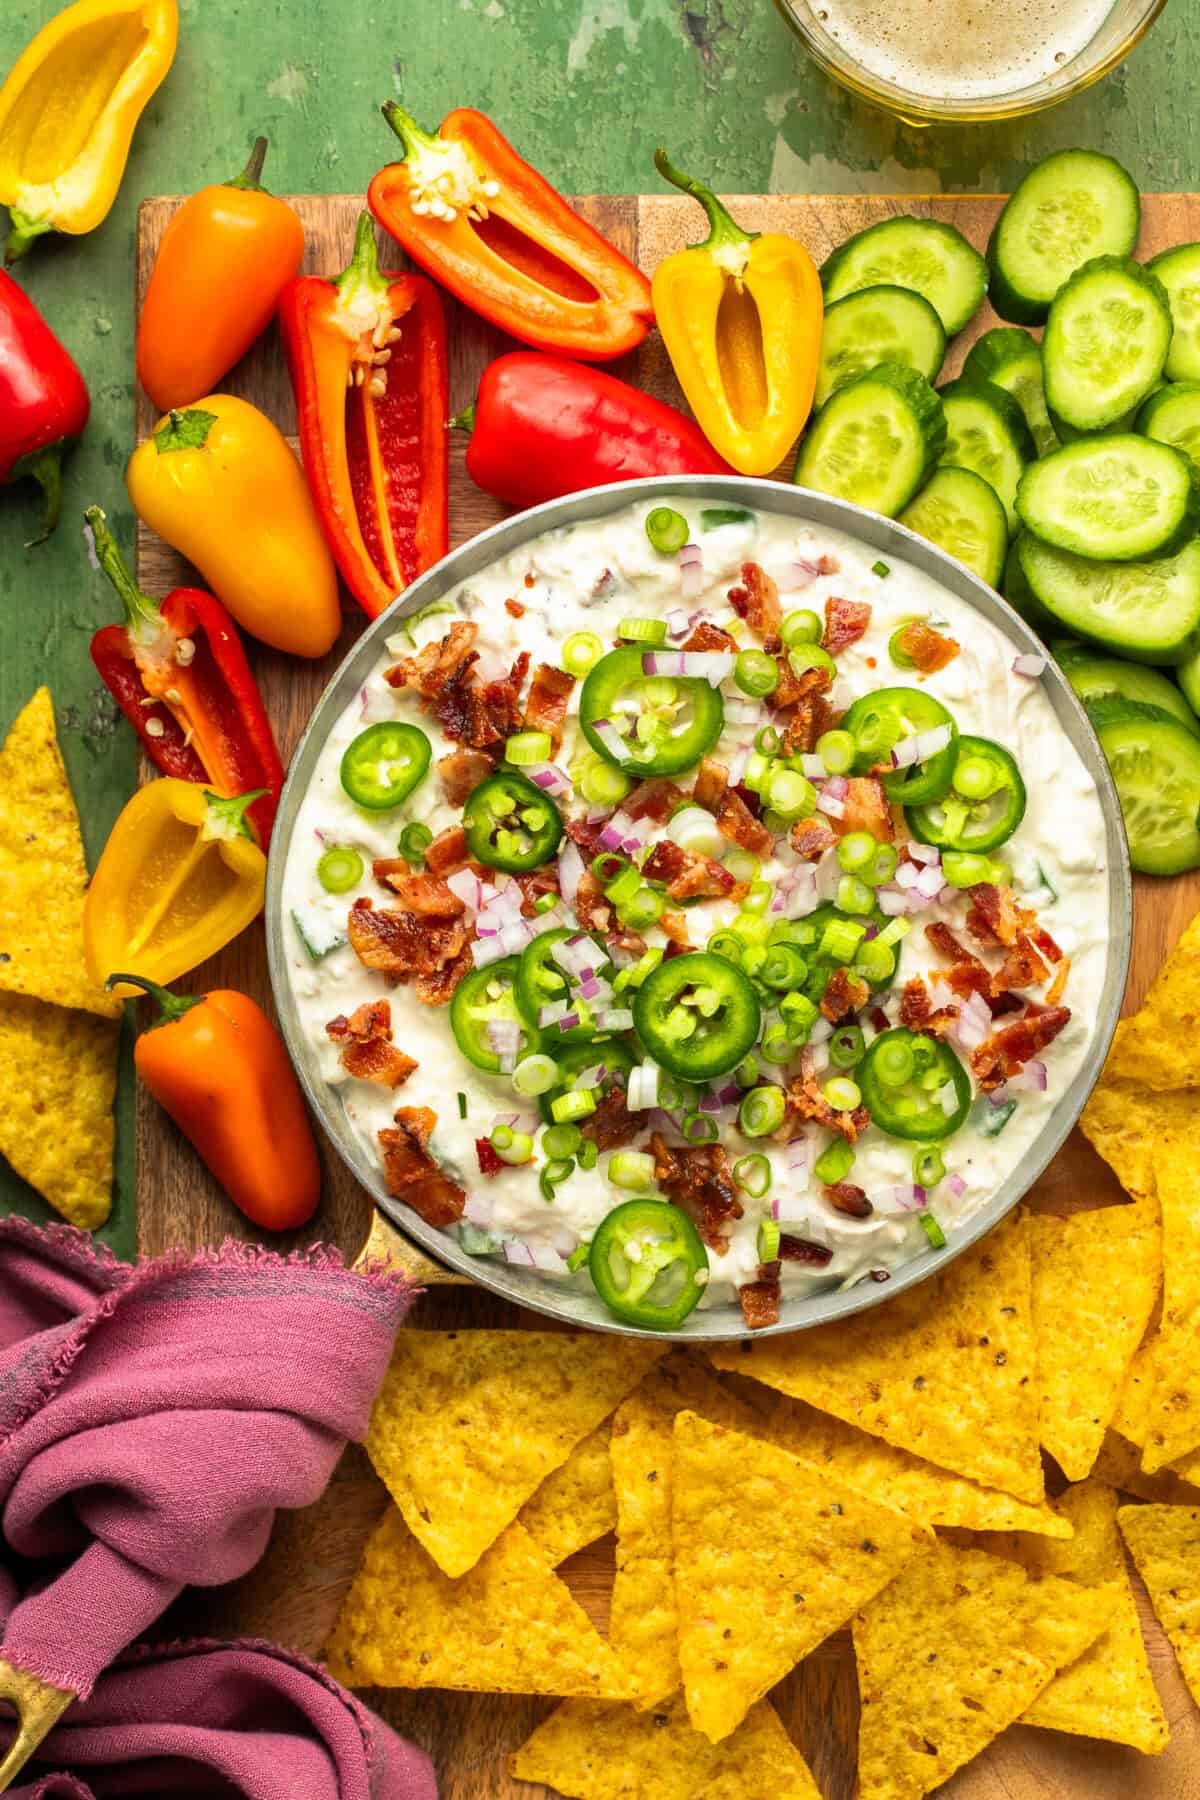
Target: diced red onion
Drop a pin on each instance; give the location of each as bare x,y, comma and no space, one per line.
562,1240
552,1012
570,871
907,876
691,580
709,1103
466,887
822,1030
820,1057
511,1119
802,1155
514,937
551,920
999,1096
478,1211
611,739
550,778
947,896
641,1094
592,988
661,1120
974,1022
1029,665
903,1198
838,786
486,950
955,1186
574,955
678,624
801,575
920,746
590,1077
730,1094
570,1021
924,853
929,882
691,553
802,897
1032,1079
948,1095
830,805
744,712
891,902
713,666
738,764
617,1018
941,994
813,766
517,1252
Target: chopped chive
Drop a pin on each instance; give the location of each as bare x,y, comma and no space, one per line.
881,569
462,1105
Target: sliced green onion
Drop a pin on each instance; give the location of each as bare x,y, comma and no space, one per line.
589,1153
553,1175
834,1163
581,650
753,1175
667,530
801,627
762,1111
757,769
783,967
893,931
700,1128
631,1169
896,651
842,1094
883,865
837,750
525,748
746,1073
767,1243
932,1230
601,784
501,1137
811,656
578,1104
928,1166
788,794
535,1074
841,939
340,869
894,1062
767,741
728,944
414,842
578,1258
713,516
963,869
759,897
800,1015
856,851
777,1045
645,908
518,1150
634,977
854,896
561,1140
756,673
544,903
881,569
874,961
462,1105
623,887
643,631
846,1047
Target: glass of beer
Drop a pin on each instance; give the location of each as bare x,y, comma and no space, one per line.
941,61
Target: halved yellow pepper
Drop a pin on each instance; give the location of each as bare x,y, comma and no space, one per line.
741,317
180,876
68,112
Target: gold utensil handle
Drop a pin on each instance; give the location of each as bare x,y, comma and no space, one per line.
39,1707
391,1246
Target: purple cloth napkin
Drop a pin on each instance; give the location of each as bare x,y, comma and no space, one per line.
244,1720
152,1419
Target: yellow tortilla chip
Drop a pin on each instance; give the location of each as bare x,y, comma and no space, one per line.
1118,1121
43,876
58,1076
1096,1278
1160,1046
1164,1542
1173,1417
933,1496
1119,1464
468,1424
508,1627
1109,1691
945,1369
771,1557
954,1651
642,1624
594,1750
575,1504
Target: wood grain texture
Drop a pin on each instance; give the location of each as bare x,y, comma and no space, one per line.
294,1594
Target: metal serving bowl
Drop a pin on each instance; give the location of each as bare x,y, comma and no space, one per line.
561,1300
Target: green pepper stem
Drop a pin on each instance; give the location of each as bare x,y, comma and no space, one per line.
24,230
44,467
361,274
463,421
227,813
250,176
139,608
723,229
407,129
184,430
170,1006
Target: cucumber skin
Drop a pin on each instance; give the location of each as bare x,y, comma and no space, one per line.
1175,369
836,258
1006,302
1161,397
861,294
1121,648
1188,675
1020,595
999,349
917,394
1105,713
1001,401
989,497
1124,265
1171,545
1170,700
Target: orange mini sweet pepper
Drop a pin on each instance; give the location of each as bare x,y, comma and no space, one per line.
218,1066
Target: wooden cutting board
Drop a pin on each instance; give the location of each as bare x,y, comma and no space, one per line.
294,1594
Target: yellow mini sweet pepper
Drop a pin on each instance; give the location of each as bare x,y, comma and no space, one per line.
68,112
741,316
220,484
180,876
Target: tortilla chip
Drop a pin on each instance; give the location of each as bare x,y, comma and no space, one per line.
1164,1542
468,1424
593,1750
575,1504
771,1557
1159,1047
954,1651
1173,1418
58,1076
642,1624
1118,1121
43,877
1096,1278
922,1490
509,1627
946,1369
1119,1464
1109,1691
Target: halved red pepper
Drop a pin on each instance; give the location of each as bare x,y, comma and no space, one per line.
177,670
367,356
43,399
472,213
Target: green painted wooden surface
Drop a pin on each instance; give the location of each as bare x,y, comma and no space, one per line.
585,88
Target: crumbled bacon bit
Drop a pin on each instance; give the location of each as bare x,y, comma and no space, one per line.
806,1102
591,908
612,1124
425,894
514,609
530,578
1007,1050
760,1299
534,885
410,1172
996,915
399,944
917,1012
674,928
844,994
444,675
865,808
757,601
811,838
803,1250
845,622
448,852
430,669
736,822
586,837
490,1162
1058,986
655,800
436,986
928,650
686,874
1022,968
844,1197
708,636
966,975
549,695
461,773
700,1181
711,784
368,1052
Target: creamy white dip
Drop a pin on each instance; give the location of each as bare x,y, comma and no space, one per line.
559,581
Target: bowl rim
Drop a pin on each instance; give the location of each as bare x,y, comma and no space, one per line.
528,1288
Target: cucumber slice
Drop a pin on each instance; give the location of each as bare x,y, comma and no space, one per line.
1179,272
958,511
878,324
1104,678
1115,499
1187,673
875,441
986,432
1106,341
1172,416
1020,595
1155,765
934,260
1012,360
1148,611
1074,205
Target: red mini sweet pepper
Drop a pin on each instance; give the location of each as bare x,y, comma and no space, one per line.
178,671
43,399
367,356
486,225
542,426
